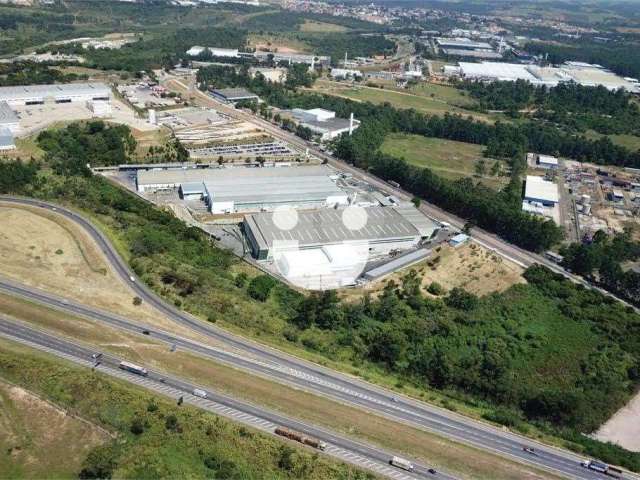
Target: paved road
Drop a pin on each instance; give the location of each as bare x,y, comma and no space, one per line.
266,361
488,240
360,454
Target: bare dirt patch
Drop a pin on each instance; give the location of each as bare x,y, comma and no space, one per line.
471,267
36,435
624,427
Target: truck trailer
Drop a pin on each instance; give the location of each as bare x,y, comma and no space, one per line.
299,437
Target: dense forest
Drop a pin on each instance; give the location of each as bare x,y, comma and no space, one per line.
575,108
30,73
601,261
548,352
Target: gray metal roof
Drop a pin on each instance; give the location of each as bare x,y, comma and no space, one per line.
397,263
7,116
53,90
192,175
234,93
325,227
423,224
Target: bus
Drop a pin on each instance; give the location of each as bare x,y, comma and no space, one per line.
130,367
401,463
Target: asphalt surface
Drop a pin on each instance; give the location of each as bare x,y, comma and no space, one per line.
357,453
266,361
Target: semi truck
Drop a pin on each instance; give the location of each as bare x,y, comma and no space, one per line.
300,437
602,468
401,463
130,367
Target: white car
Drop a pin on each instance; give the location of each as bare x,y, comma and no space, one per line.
200,393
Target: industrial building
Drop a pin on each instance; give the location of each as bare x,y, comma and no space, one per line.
229,190
8,118
215,52
345,73
542,191
581,73
234,95
464,47
384,230
309,59
6,139
324,122
546,161
63,93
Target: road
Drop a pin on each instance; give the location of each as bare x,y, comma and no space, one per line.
301,373
356,453
522,257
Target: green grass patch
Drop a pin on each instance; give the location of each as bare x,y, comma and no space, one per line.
311,26
155,437
447,158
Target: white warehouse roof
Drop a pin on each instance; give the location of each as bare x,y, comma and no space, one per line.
25,92
539,189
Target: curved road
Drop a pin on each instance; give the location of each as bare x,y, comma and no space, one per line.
292,370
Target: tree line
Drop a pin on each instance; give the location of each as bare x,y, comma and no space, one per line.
573,107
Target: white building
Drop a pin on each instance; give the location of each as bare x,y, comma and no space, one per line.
546,161
324,122
56,93
345,73
8,118
537,189
228,190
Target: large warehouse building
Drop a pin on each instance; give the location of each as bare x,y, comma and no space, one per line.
330,248
228,190
63,93
582,73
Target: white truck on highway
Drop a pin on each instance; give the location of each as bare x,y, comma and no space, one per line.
401,463
133,368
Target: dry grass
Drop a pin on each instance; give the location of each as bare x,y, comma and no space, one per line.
35,436
471,267
44,250
464,461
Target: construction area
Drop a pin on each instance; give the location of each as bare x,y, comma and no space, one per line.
206,133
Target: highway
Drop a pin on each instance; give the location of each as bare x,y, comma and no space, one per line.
356,453
285,368
511,252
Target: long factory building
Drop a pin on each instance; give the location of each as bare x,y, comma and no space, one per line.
385,229
55,93
242,189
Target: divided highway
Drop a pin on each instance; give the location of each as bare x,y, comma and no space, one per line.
285,368
359,454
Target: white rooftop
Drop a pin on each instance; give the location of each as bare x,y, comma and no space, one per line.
537,188
53,90
547,159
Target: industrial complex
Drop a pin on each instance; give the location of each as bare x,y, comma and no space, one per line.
229,190
582,73
96,97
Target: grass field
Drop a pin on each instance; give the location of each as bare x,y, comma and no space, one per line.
310,26
447,94
447,158
195,444
306,406
445,99
632,142
35,435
